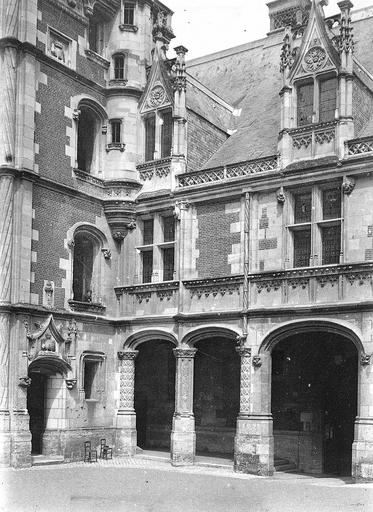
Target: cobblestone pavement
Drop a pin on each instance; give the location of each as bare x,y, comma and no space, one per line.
152,485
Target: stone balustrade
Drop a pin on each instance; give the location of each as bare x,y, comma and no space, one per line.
359,146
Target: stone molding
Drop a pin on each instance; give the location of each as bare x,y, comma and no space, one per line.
222,174
88,307
156,168
244,352
221,285
185,353
359,146
143,292
95,57
127,354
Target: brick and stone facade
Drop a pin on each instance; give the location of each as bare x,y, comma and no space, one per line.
148,237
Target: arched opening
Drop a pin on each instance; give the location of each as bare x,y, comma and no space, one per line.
154,394
216,395
46,396
84,251
88,130
314,401
36,409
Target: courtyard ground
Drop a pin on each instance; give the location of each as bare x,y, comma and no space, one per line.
143,485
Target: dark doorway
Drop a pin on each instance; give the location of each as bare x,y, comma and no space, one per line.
216,395
314,401
36,410
154,394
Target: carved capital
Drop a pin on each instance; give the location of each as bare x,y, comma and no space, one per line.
244,351
184,353
179,206
348,185
76,114
129,355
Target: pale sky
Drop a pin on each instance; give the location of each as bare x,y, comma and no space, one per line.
207,26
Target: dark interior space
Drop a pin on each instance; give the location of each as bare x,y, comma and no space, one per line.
314,392
216,395
86,138
154,394
36,410
83,267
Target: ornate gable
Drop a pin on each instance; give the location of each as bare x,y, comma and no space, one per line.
317,52
158,92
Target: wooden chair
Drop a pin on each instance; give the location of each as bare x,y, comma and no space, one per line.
105,451
89,454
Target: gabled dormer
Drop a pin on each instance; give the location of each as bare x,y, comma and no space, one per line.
316,66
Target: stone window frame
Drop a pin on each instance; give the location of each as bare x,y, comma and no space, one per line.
128,27
100,142
157,247
315,225
158,116
316,81
69,61
99,379
98,270
115,144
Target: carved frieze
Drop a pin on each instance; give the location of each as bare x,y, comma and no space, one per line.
359,146
359,277
268,284
302,141
324,136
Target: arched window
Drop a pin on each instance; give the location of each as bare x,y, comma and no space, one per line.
158,134
85,250
90,128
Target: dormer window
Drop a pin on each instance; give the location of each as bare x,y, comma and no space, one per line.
158,135
317,101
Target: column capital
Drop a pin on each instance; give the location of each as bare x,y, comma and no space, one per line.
127,354
185,353
244,351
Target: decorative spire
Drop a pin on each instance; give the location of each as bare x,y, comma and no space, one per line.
179,81
346,40
286,59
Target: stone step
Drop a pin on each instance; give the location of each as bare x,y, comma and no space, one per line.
46,460
284,465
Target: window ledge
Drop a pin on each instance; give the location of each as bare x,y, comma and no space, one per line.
87,177
116,146
118,82
128,28
95,57
89,307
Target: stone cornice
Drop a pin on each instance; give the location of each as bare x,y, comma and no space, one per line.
213,281
146,288
71,12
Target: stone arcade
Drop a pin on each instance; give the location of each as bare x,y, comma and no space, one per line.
186,251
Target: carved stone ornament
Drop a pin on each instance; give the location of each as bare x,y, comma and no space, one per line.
348,185
106,253
184,353
76,114
127,355
119,236
70,383
156,97
365,359
24,382
243,351
315,58
257,362
280,195
179,206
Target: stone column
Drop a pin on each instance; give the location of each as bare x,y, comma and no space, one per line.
362,448
183,436
126,416
254,436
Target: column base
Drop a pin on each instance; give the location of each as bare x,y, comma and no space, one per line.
183,441
126,434
362,450
254,445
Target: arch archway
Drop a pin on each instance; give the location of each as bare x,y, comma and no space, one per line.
155,369
314,389
216,389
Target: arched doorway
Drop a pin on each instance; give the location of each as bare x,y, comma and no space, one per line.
154,394
314,400
216,395
36,409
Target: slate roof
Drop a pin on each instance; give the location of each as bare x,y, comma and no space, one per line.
248,77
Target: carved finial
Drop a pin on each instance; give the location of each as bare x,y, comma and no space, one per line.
346,39
286,58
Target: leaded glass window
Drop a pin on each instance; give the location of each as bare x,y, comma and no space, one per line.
328,100
168,264
305,104
302,207
147,266
148,229
331,244
331,202
302,248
